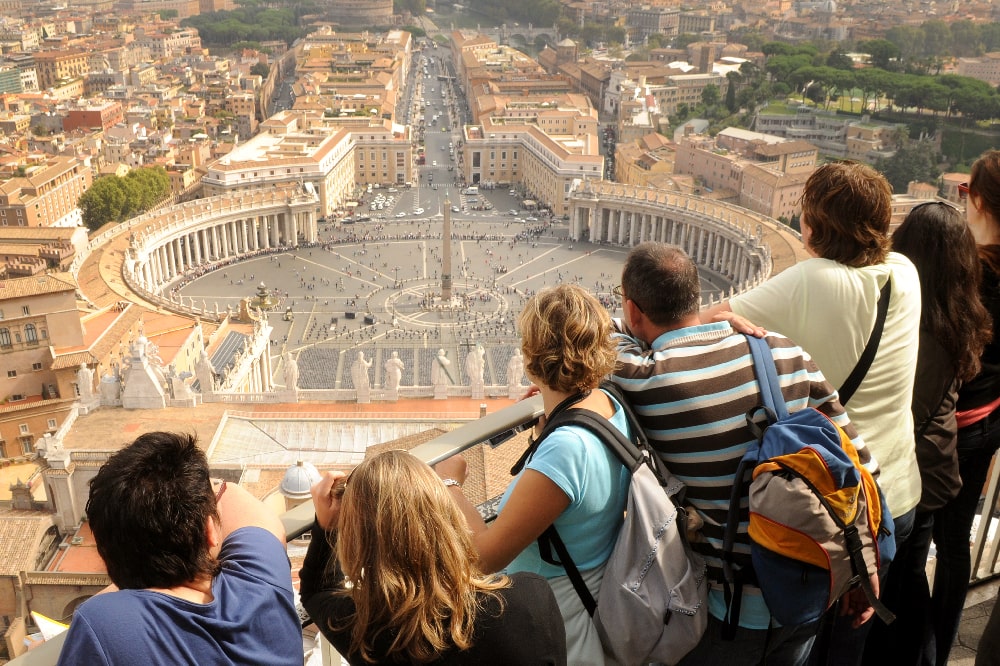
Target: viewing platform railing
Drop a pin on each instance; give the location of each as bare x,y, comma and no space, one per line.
495,428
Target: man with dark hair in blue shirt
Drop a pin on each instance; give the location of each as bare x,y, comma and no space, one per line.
199,569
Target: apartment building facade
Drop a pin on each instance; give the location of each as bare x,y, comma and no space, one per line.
46,195
37,314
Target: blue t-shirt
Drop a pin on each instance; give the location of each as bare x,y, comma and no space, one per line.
251,620
597,486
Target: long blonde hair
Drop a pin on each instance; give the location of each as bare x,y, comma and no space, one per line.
407,551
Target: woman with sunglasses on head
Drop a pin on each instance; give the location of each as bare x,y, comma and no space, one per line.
978,418
413,593
954,329
570,478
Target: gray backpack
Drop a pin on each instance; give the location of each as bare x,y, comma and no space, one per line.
652,605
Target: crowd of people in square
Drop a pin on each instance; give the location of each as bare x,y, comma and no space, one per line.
401,567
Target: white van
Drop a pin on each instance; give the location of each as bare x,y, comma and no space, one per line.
472,190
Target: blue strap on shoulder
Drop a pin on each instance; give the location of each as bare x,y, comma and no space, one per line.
767,376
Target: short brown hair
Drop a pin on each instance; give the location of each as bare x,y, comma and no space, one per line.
848,207
566,339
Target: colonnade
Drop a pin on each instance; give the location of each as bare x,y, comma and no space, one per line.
175,247
716,236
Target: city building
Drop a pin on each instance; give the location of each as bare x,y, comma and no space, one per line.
38,320
46,195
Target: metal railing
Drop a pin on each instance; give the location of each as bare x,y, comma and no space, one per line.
493,428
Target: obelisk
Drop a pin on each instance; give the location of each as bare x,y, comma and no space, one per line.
446,254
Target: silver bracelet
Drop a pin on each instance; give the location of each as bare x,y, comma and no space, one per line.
451,482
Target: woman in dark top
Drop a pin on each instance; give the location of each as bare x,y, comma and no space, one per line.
954,328
413,594
978,418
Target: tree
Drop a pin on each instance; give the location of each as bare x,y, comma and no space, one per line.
103,202
915,162
839,61
734,79
113,199
261,69
685,40
710,95
881,52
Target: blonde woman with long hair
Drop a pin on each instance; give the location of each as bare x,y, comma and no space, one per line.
390,576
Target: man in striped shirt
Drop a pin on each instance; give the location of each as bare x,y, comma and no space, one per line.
692,385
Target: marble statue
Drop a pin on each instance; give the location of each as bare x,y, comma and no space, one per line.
359,372
515,370
205,373
439,369
475,365
291,371
393,372
85,381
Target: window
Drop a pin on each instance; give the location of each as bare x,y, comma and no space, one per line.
25,430
27,445
11,374
25,311
52,424
4,337
31,334
36,366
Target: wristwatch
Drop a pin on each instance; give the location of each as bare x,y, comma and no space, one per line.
451,482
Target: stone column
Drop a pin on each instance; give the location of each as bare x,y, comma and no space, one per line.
213,234
171,261
243,234
276,230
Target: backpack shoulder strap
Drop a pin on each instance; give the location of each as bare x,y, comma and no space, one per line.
767,376
774,408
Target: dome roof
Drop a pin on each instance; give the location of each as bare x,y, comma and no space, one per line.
298,479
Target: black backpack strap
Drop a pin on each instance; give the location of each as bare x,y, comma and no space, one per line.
549,541
853,381
549,427
631,453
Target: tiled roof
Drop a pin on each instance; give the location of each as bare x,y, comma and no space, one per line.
20,534
36,285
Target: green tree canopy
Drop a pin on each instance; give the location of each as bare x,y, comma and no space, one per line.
114,199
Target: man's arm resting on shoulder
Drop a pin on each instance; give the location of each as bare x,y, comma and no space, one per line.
238,508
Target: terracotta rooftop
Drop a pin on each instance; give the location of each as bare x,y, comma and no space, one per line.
37,285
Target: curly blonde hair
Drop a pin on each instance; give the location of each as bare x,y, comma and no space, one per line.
406,549
566,339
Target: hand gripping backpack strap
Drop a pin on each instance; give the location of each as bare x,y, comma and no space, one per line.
857,375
